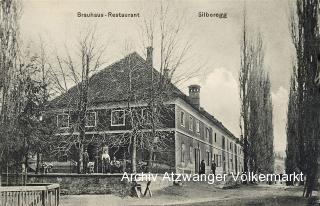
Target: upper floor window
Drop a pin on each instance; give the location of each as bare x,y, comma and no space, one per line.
191,123
145,114
91,119
63,120
182,120
118,117
198,126
231,146
223,142
215,137
207,133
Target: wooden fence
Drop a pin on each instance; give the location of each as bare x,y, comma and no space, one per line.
30,195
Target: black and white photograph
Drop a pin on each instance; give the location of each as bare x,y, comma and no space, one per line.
159,102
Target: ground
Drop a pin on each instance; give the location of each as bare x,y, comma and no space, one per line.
201,193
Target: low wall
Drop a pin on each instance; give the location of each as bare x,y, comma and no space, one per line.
86,183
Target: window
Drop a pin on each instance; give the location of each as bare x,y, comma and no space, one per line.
63,120
198,126
191,123
117,117
215,137
223,142
231,146
207,133
182,153
191,154
91,119
217,160
145,114
208,158
182,121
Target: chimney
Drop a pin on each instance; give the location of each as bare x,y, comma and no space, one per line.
194,95
149,59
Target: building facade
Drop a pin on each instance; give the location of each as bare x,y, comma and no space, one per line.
187,132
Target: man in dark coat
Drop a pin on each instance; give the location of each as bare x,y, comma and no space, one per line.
213,167
202,167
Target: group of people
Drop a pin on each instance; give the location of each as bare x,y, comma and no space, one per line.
107,165
202,169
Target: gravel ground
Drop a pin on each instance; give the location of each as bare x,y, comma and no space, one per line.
200,193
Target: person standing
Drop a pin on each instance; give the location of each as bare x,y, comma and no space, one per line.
202,167
85,161
213,167
105,161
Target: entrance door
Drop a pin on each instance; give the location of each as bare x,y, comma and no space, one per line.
196,160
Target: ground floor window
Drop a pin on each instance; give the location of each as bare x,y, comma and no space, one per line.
190,154
208,158
182,153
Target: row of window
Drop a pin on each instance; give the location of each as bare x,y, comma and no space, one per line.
207,130
117,119
183,123
216,157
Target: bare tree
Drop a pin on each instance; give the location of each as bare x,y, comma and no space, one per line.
77,69
163,33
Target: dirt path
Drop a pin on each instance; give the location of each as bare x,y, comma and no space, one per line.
198,193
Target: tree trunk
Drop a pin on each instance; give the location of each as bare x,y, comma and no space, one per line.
38,163
134,154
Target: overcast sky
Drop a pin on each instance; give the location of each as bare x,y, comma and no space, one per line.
215,42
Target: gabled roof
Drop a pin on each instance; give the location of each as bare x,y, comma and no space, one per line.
112,84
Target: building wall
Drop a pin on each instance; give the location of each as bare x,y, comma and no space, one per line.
228,159
188,140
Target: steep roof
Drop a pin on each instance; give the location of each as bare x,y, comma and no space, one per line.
112,84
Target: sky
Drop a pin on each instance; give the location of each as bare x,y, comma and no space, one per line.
215,44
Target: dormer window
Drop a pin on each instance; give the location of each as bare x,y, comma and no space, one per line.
63,120
118,117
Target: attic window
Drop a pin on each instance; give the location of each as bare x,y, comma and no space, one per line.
63,121
117,117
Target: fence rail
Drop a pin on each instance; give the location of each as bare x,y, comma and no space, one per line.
31,195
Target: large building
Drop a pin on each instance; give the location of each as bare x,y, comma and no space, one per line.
187,133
